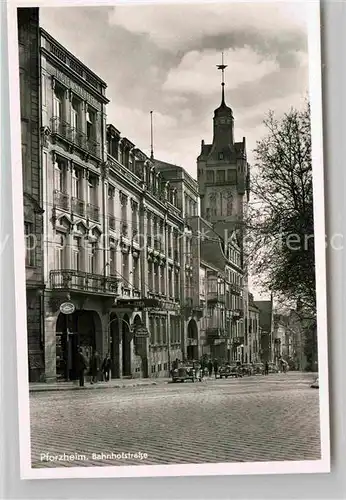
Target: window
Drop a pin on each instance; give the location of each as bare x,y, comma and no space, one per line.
113,262
136,273
91,119
158,330
221,157
170,282
220,176
76,254
59,176
164,330
163,284
125,270
210,176
60,251
76,183
92,190
157,277
232,176
30,245
44,90
75,114
111,193
177,285
152,330
57,103
150,276
93,259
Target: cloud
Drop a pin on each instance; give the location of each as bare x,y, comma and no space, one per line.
174,26
197,73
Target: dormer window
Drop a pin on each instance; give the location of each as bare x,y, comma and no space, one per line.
221,156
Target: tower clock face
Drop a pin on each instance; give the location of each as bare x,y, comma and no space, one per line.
223,120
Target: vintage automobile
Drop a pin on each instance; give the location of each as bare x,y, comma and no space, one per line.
272,368
259,369
186,372
247,369
229,370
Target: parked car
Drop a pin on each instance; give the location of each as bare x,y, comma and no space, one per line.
186,372
247,369
273,368
229,370
258,368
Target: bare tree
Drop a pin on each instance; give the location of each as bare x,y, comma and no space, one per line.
281,221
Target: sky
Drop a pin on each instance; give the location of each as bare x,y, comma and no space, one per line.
163,58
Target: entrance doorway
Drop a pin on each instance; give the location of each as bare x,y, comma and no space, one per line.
192,337
126,346
74,331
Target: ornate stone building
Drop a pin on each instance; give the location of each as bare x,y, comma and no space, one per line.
73,117
28,40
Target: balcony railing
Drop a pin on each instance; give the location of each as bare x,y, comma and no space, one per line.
216,333
93,212
70,279
214,297
80,139
78,207
61,199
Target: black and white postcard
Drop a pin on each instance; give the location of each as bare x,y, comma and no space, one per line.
167,168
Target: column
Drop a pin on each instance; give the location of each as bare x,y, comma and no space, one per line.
50,347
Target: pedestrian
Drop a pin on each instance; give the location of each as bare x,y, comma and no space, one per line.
266,368
210,368
216,367
81,366
106,367
94,367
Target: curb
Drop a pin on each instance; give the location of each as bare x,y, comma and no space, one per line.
91,387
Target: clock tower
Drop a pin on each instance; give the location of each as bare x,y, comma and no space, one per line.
223,171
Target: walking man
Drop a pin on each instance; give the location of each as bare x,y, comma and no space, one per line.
216,367
210,368
81,366
106,367
94,367
266,368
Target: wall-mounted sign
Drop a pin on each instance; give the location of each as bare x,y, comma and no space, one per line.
141,331
67,308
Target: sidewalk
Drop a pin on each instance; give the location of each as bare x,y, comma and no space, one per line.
112,384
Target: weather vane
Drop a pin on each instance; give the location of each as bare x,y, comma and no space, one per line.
222,66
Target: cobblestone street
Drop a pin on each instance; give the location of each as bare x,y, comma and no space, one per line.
250,419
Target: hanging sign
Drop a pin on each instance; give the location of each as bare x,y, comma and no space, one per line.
67,308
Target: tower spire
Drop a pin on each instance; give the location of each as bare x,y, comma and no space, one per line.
222,66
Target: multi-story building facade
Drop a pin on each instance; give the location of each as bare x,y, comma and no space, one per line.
119,234
73,117
146,226
266,322
28,40
254,340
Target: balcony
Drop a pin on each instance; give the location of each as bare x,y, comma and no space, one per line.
216,333
64,130
93,212
61,200
214,298
78,206
70,279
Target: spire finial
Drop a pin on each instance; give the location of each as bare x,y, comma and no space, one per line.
222,66
151,136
